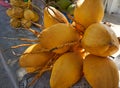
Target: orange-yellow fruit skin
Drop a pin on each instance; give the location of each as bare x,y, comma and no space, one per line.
100,72
36,18
100,40
32,57
30,69
53,16
9,12
29,14
26,23
15,12
15,23
88,12
57,36
67,70
19,3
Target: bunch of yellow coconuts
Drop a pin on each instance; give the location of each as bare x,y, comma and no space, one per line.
21,14
73,50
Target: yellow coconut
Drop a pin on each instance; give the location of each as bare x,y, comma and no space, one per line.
28,14
100,40
19,3
9,12
16,12
100,72
31,15
32,57
67,70
36,17
58,37
15,23
26,23
15,2
88,12
53,16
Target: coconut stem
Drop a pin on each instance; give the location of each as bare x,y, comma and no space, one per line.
36,33
37,7
22,39
29,3
44,3
38,25
58,47
47,67
71,18
21,45
28,40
